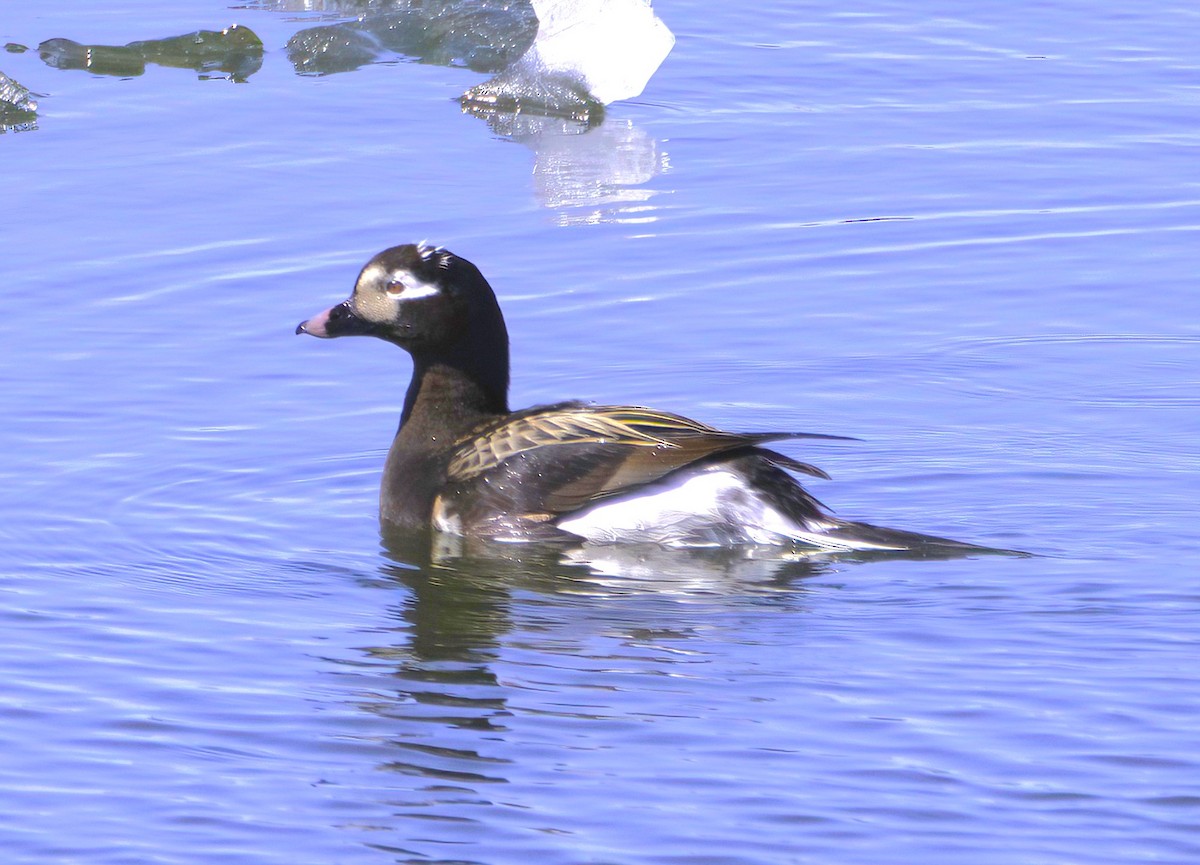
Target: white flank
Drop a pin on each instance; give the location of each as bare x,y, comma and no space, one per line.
708,508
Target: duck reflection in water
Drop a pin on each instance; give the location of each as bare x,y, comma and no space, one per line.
453,658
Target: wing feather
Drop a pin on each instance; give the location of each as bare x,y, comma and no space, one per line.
583,453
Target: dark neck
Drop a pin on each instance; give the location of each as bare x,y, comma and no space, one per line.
446,397
455,386
445,401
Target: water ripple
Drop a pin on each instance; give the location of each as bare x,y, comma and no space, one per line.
1140,370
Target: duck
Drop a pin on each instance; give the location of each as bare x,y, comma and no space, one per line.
462,463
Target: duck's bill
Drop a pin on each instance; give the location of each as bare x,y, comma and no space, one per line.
318,325
340,320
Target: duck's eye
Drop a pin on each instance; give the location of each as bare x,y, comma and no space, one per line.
410,287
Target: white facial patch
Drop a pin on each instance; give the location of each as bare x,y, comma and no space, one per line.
397,285
405,286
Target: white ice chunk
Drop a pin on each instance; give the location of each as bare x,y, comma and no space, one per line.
613,46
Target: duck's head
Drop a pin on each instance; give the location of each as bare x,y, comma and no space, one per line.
424,299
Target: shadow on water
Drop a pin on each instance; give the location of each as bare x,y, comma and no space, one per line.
490,637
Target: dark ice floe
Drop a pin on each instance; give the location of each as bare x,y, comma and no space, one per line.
559,57
551,60
484,35
14,97
236,52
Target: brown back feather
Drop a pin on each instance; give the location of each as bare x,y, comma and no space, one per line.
589,452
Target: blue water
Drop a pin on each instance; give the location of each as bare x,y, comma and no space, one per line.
966,235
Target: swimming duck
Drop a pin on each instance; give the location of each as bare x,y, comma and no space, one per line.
464,464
